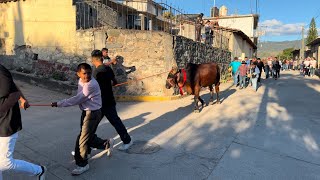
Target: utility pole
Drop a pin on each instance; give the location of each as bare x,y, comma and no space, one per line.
302,44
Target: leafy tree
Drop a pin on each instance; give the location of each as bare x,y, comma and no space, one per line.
286,54
168,15
313,32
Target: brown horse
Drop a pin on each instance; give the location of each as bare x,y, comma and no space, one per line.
193,78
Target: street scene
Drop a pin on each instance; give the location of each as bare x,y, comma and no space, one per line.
153,89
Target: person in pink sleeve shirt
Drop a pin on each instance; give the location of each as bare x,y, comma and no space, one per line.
313,66
89,100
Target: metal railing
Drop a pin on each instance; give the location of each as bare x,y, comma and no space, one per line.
141,15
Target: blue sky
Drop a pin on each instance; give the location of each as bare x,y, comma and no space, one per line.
283,18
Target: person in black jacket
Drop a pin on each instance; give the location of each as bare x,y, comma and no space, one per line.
10,125
260,65
106,78
276,68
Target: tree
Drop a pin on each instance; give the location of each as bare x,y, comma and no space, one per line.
313,31
286,54
168,15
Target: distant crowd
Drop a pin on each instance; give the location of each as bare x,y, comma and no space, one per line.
247,72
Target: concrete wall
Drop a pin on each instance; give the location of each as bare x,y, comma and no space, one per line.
33,23
188,30
239,47
245,24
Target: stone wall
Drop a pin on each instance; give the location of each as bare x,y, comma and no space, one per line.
140,54
150,52
189,51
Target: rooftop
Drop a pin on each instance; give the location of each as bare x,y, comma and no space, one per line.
255,16
5,1
316,41
240,33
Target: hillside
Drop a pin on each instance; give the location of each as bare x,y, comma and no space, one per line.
269,48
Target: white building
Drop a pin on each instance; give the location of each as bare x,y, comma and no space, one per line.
246,23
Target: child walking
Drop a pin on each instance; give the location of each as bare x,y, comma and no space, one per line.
89,100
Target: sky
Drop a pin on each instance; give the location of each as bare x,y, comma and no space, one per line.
280,19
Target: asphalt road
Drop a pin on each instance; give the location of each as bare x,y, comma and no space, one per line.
270,134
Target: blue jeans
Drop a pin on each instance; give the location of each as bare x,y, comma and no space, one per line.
312,71
235,78
254,83
243,81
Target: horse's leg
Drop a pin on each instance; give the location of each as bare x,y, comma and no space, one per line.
217,91
211,94
196,99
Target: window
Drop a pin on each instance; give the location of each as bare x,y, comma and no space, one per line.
134,22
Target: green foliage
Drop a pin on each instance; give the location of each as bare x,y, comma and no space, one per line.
168,15
286,54
313,32
268,48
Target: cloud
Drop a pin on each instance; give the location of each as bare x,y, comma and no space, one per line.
275,27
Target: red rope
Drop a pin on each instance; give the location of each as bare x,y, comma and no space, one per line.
120,84
40,105
128,82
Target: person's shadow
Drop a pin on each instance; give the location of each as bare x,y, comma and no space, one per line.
121,72
120,69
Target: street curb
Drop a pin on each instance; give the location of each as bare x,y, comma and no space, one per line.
45,83
69,89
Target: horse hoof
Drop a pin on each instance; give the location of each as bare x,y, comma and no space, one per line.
196,111
211,102
218,102
204,105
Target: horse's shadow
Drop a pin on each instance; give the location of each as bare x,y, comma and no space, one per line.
206,97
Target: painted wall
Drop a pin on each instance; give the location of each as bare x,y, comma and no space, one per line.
33,23
238,46
245,24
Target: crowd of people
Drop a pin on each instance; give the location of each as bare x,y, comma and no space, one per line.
307,67
95,99
247,72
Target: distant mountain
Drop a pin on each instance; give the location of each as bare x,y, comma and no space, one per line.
270,48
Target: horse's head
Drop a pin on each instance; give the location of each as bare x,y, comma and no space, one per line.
172,79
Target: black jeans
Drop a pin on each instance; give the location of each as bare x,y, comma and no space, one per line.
277,74
111,114
87,138
259,77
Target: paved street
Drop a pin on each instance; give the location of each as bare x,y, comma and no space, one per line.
271,134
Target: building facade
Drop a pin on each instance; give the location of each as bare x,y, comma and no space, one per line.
314,47
248,24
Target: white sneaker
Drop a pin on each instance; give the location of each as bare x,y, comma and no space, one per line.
109,147
125,147
79,170
42,176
